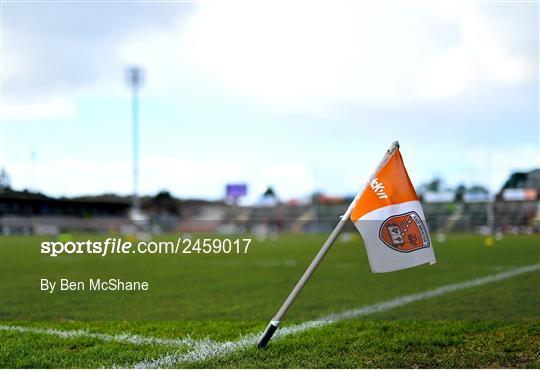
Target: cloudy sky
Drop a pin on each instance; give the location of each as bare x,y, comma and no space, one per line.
301,95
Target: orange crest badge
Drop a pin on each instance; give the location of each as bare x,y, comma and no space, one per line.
405,232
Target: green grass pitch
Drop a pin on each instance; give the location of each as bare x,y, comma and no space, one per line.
225,297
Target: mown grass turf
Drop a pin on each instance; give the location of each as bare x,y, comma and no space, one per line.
224,296
398,344
496,325
236,287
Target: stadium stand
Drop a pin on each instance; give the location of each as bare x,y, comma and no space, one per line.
26,212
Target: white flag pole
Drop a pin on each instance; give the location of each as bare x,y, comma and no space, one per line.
274,323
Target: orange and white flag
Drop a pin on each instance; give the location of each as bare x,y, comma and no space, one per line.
390,218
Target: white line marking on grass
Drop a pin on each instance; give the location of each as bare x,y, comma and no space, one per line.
209,350
122,338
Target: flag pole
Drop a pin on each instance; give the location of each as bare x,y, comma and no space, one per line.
274,323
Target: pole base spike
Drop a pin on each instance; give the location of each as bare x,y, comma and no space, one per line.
268,333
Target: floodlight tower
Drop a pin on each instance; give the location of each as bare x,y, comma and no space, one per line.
33,171
135,79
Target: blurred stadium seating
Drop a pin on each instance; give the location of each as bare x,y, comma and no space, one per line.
27,212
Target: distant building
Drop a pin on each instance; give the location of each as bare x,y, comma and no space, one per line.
523,180
521,186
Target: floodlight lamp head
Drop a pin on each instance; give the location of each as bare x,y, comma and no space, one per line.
135,76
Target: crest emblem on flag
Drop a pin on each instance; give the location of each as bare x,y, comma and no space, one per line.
404,233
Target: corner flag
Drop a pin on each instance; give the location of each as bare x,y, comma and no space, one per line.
389,217
391,220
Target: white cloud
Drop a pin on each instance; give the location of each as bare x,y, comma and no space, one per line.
196,177
299,55
305,54
288,180
207,177
484,56
446,75
183,177
47,108
70,175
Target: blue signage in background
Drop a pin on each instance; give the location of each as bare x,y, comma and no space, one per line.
236,190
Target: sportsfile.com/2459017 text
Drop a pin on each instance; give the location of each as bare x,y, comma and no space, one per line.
119,246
